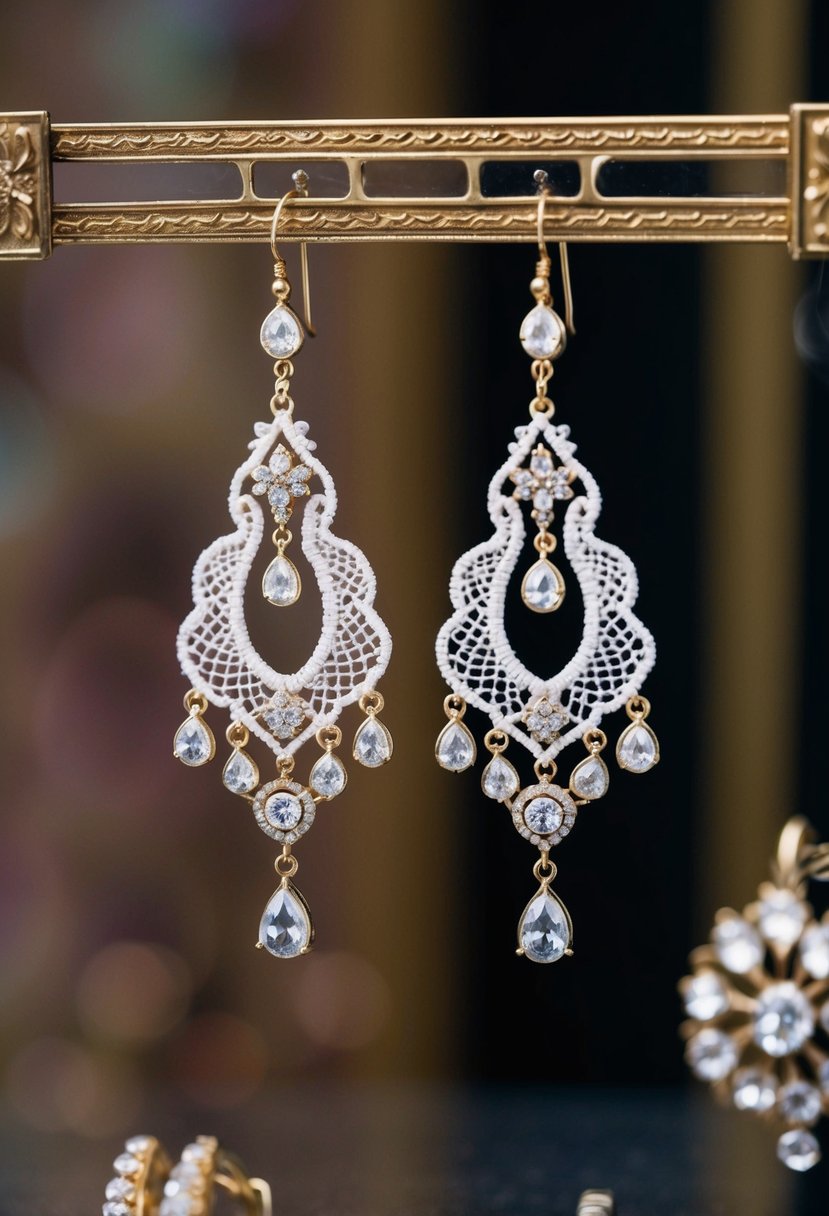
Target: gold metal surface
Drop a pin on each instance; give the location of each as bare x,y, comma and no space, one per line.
809,181
25,186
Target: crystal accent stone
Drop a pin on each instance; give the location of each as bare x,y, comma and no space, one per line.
120,1188
543,500
118,1208
711,1054
781,916
285,928
127,1164
283,810
544,720
543,815
738,945
754,1089
783,1019
455,748
590,778
705,996
499,779
800,1102
637,749
181,1204
542,588
814,951
240,775
328,776
281,334
372,743
280,461
541,464
280,582
194,743
544,931
284,714
541,333
139,1144
798,1149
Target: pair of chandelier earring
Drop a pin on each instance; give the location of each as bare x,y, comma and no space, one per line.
541,714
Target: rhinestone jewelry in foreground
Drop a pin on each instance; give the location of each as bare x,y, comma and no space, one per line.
758,1002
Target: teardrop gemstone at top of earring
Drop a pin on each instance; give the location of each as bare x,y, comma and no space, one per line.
542,588
638,748
455,748
280,582
542,333
194,743
281,333
372,743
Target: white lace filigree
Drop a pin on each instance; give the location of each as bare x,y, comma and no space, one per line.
214,647
473,652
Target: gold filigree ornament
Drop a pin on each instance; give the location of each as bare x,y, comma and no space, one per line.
758,1001
18,182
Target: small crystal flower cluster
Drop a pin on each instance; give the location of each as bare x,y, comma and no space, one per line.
542,482
282,481
758,1001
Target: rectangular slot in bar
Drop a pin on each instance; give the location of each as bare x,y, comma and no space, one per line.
514,178
129,182
326,178
753,178
412,178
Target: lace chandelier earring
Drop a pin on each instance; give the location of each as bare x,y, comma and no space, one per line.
283,710
544,714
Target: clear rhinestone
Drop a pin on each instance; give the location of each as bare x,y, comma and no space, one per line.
738,945
278,496
281,334
705,996
814,951
280,461
121,1188
800,1102
240,775
372,743
541,333
543,500
262,473
117,1208
127,1164
590,778
544,932
455,748
139,1144
543,815
194,743
187,1173
541,465
781,916
280,582
783,1019
180,1204
328,776
283,810
754,1089
798,1149
637,749
711,1054
542,588
499,779
285,928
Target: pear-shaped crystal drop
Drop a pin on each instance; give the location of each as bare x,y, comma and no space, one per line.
541,333
194,743
240,775
543,588
637,749
281,333
590,778
372,743
499,779
544,931
455,748
328,776
280,582
285,928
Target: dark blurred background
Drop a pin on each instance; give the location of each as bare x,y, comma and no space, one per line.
129,380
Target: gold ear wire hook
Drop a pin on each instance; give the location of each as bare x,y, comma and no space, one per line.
300,180
541,179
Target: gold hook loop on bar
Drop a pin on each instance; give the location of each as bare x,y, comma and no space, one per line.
541,179
300,180
793,850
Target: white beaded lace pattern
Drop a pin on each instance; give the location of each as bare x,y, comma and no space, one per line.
473,652
214,647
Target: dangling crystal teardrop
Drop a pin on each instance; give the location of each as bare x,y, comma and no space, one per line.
281,583
285,929
328,776
455,748
281,333
638,748
543,588
545,931
590,778
542,333
194,743
240,775
499,779
372,743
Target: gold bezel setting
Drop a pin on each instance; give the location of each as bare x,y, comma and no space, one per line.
307,813
544,789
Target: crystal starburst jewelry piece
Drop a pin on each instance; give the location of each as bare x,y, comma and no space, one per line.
544,714
758,1002
280,709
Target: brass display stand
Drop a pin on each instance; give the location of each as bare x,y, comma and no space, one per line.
30,223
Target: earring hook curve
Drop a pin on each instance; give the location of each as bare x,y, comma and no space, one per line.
300,180
540,177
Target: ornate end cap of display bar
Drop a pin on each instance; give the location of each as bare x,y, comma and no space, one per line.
809,184
25,186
